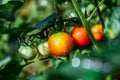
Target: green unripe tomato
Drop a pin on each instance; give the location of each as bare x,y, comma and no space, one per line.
27,52
43,48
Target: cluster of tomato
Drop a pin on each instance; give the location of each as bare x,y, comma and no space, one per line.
61,43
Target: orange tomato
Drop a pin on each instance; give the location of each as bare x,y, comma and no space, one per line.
97,32
60,44
80,36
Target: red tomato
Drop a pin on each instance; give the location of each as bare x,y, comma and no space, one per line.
80,36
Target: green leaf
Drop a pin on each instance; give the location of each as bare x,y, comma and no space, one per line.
6,1
36,77
11,70
86,51
7,10
112,24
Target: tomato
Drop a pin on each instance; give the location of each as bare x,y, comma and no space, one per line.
80,36
27,52
97,32
43,48
60,44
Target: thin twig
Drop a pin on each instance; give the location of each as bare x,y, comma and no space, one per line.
37,60
95,9
99,13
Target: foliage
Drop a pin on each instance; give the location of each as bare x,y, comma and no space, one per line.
28,23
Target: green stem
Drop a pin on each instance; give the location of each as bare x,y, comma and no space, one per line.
99,13
76,53
78,10
37,60
60,15
56,6
95,9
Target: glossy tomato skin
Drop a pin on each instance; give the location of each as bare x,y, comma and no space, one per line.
80,36
60,44
97,32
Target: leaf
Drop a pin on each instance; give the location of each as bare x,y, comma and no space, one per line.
6,1
5,61
11,70
112,24
86,51
7,10
36,77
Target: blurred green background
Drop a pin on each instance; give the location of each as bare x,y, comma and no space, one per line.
18,20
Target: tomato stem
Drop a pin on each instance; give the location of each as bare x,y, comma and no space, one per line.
37,60
59,12
80,14
76,53
56,6
95,9
99,13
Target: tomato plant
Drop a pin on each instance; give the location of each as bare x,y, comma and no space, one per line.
37,39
